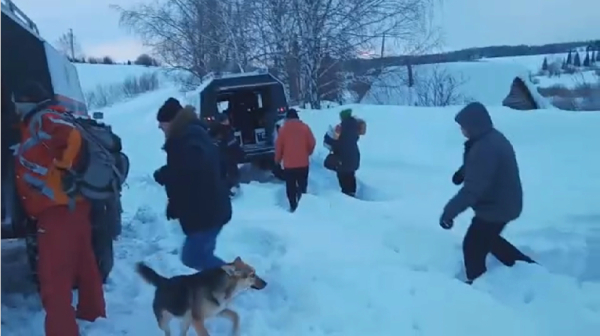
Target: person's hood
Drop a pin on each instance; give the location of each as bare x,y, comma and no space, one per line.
475,119
185,121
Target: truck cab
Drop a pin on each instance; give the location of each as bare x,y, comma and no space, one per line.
255,104
26,56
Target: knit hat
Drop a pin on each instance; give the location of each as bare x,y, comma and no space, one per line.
345,113
32,92
168,111
292,114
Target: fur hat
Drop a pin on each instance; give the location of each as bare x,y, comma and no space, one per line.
168,111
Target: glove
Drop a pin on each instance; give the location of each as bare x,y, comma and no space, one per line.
170,213
458,177
159,175
446,224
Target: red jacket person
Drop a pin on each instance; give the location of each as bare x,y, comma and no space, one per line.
64,231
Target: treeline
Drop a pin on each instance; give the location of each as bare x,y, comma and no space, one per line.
471,54
143,59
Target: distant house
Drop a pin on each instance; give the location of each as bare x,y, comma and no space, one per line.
520,97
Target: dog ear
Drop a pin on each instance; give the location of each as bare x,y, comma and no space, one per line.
237,260
229,269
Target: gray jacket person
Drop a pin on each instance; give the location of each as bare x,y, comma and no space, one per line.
491,186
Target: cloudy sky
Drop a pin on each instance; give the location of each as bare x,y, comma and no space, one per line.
466,23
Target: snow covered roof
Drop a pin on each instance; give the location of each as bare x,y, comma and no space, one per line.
487,82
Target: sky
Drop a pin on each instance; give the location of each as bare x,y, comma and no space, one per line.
465,23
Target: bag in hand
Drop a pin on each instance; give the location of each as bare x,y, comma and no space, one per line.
332,162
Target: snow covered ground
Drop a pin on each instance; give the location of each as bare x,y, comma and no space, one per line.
377,265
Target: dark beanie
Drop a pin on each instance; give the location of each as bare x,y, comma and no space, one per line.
292,114
168,111
31,92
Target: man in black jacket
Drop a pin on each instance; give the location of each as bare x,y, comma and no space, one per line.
491,186
197,193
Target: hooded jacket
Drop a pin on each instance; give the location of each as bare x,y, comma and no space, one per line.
492,185
198,196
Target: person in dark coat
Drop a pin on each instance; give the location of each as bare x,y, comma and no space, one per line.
230,151
345,149
197,195
491,186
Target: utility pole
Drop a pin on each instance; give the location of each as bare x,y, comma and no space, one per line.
72,44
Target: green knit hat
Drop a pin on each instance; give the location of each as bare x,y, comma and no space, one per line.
345,113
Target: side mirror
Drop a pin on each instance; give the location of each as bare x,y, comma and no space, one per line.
98,115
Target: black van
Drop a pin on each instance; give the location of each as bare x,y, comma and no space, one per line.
255,104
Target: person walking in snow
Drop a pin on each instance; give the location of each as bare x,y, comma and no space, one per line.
294,145
197,194
491,186
230,151
64,230
345,151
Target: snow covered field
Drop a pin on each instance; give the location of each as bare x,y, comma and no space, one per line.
378,265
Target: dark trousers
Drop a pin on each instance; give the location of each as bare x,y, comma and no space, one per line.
230,172
347,181
296,183
482,238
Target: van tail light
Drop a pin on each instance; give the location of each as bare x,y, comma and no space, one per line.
281,110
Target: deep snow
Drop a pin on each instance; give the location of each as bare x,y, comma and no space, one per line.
378,265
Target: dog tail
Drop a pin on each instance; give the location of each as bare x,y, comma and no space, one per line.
149,275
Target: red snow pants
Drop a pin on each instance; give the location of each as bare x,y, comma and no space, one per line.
66,258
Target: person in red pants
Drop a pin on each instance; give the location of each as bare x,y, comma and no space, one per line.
66,258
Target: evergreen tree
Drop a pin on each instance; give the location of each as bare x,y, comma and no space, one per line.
586,60
564,64
598,56
576,60
569,58
545,65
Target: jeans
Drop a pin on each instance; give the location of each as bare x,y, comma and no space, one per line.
198,251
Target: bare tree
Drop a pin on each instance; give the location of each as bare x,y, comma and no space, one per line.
339,29
69,45
304,42
438,87
180,31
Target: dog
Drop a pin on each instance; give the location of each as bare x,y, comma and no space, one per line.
196,297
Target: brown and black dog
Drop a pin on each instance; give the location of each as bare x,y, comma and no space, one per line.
195,297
